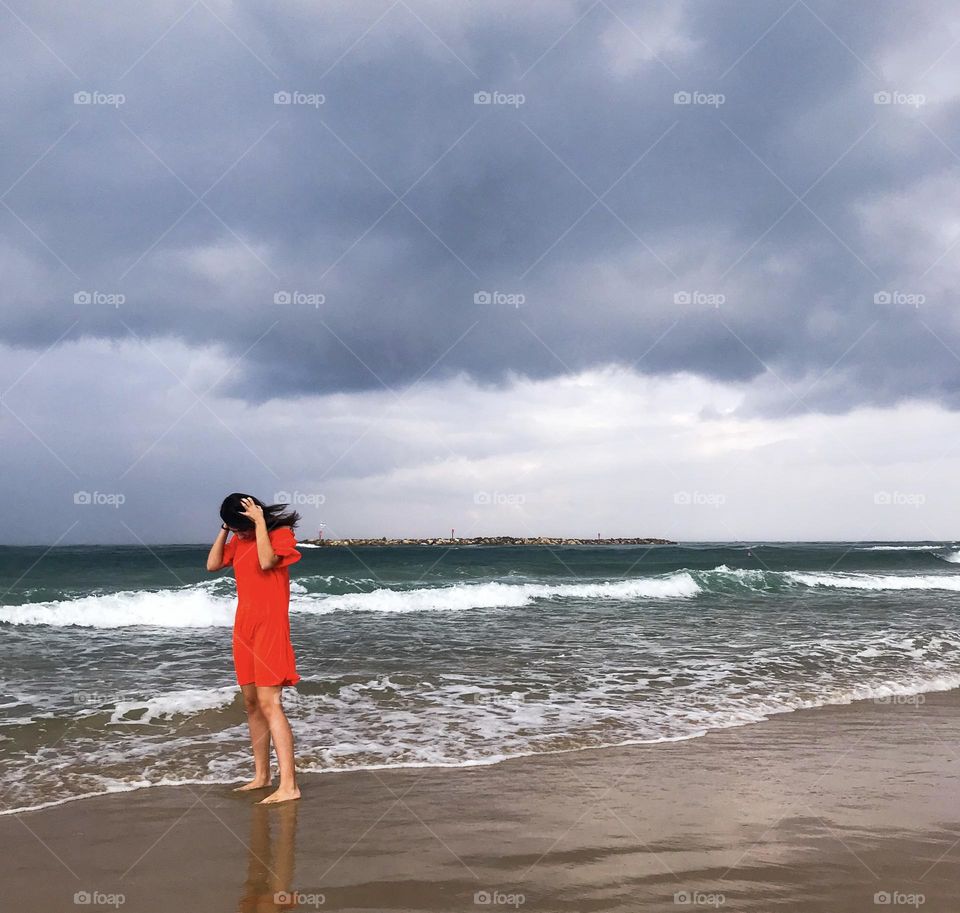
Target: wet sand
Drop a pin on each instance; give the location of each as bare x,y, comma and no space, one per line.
834,809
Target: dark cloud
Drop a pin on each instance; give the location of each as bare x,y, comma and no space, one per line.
398,199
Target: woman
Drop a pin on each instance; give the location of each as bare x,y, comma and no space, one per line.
260,551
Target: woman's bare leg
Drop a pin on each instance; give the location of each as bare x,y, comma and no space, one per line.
259,740
268,699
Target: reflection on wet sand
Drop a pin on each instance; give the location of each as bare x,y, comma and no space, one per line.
270,859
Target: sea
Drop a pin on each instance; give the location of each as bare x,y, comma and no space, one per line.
117,673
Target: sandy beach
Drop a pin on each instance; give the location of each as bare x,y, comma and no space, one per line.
840,808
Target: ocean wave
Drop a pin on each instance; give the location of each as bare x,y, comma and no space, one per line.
722,578
878,581
187,607
899,548
461,596
332,583
197,607
203,605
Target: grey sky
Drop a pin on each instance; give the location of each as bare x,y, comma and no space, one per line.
784,244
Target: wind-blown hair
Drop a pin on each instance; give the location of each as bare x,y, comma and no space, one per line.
276,515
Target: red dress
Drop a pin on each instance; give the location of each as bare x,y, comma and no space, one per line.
262,652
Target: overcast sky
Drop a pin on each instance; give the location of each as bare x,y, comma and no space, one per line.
683,269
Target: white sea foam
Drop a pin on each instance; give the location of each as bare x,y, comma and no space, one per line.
174,703
506,732
878,581
187,607
898,548
197,607
462,596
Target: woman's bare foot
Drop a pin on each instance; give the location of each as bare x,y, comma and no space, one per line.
255,783
281,795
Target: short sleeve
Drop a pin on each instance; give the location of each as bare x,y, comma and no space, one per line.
229,550
284,546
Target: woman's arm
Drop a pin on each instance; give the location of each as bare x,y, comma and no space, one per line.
215,558
268,557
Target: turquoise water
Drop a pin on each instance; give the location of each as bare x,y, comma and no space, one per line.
117,670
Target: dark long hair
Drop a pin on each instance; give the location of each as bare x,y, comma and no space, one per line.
276,515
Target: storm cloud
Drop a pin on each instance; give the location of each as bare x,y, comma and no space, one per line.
358,235
350,199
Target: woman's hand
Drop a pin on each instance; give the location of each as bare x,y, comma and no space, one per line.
252,510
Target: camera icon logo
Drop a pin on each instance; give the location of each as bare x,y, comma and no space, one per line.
282,98
682,98
82,497
82,897
282,497
282,298
482,897
482,297
682,897
82,98
882,298
82,297
681,298
482,98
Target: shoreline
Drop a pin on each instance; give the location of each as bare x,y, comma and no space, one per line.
894,698
819,809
